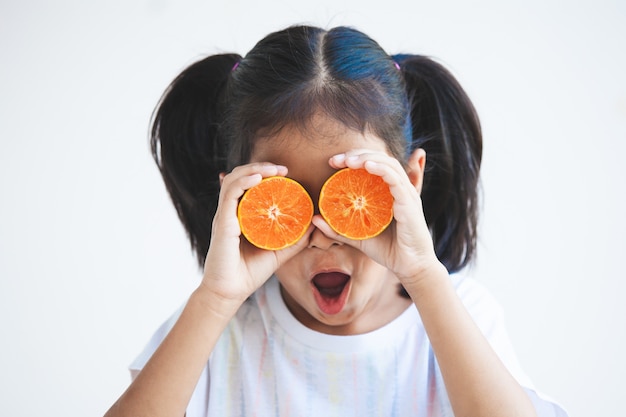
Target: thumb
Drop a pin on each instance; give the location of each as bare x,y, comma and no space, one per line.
330,233
284,255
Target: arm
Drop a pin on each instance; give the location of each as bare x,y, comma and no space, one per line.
477,382
165,385
233,271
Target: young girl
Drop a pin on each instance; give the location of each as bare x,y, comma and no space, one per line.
329,326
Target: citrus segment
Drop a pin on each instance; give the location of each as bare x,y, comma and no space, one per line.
356,204
275,213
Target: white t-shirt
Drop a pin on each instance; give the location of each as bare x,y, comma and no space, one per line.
266,363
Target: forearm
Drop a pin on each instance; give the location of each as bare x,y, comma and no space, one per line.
477,382
165,385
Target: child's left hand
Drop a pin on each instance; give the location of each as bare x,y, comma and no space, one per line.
405,247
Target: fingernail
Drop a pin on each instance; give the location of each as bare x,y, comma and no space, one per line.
256,178
271,168
339,158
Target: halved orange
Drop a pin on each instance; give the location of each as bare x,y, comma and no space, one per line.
275,213
356,204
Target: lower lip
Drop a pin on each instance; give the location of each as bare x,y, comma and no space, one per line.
331,305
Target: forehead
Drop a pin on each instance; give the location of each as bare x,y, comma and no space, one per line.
317,140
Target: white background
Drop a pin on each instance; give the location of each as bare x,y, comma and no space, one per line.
93,258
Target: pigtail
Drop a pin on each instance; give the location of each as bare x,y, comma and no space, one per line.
445,124
187,147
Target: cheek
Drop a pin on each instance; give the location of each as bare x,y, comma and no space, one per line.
370,273
290,273
295,289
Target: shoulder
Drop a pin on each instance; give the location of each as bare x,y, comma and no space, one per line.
479,302
473,292
488,315
244,316
157,337
477,299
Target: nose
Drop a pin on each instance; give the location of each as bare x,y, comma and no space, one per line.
320,241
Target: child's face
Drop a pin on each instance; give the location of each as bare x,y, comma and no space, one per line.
329,286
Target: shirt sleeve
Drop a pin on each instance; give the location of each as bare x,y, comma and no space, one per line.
156,339
198,404
489,317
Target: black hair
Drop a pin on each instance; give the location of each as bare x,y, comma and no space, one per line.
187,147
210,116
446,125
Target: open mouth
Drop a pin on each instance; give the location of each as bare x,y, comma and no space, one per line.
331,290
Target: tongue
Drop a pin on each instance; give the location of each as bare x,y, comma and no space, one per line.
331,283
331,291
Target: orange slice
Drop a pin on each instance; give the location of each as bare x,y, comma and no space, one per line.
356,204
275,213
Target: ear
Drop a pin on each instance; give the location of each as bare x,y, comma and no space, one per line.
416,165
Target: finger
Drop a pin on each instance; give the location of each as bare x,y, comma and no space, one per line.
357,158
407,201
377,163
225,221
390,170
265,169
233,189
247,176
406,197
319,222
284,255
341,160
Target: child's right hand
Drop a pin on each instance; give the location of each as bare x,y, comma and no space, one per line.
234,268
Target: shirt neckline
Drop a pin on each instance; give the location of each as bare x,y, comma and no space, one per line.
383,336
